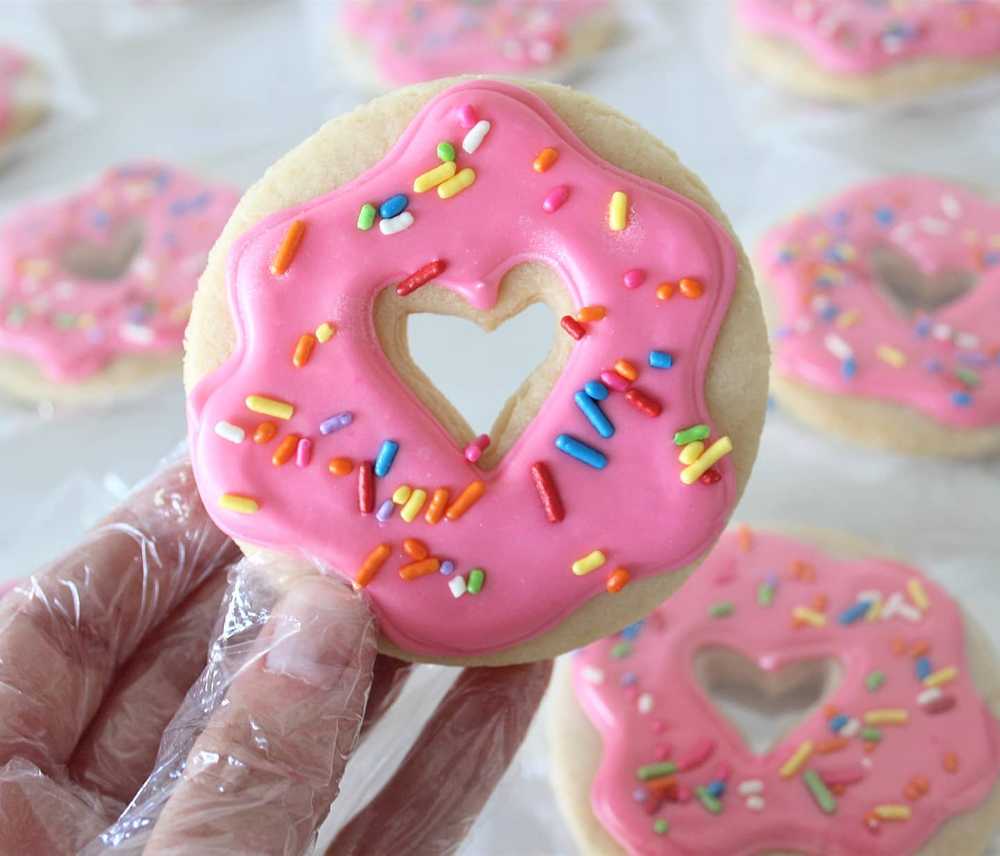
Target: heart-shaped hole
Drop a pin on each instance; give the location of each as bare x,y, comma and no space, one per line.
910,290
498,373
108,261
764,705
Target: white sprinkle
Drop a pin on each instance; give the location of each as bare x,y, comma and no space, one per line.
474,139
593,675
755,803
457,586
942,332
929,695
645,704
750,786
867,763
838,347
933,226
903,232
230,432
136,333
144,268
910,613
396,224
951,206
851,728
967,341
892,605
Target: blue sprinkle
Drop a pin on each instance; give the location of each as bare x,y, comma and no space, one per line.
885,216
336,422
837,722
854,613
393,206
447,567
581,451
628,679
924,668
716,788
632,631
660,359
992,259
829,312
849,367
961,399
592,410
101,219
385,511
923,328
386,455
596,390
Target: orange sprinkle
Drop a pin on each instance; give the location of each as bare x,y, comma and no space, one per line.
341,466
820,602
264,433
830,711
745,537
546,158
591,313
370,566
416,549
665,785
435,511
465,500
289,247
665,290
838,790
626,369
898,646
420,569
303,350
920,649
285,450
691,288
834,744
618,580
916,788
803,571
950,762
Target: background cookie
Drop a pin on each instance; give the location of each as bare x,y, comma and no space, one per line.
23,102
333,158
879,794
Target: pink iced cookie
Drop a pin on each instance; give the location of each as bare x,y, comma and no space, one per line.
107,272
305,439
885,299
903,743
395,42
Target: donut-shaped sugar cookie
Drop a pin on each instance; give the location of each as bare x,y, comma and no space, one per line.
386,43
96,286
884,300
867,50
312,432
900,755
22,101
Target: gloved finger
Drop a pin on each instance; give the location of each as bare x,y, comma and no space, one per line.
265,769
64,633
429,804
117,753
389,676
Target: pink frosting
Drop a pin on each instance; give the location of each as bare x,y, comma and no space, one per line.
423,40
862,36
640,690
71,325
636,510
840,332
12,65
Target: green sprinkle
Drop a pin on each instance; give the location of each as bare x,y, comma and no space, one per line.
871,735
967,376
446,151
690,435
765,594
712,805
656,771
477,577
660,826
722,609
874,681
64,320
622,649
366,218
824,799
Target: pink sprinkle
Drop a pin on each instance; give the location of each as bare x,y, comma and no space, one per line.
683,794
556,199
303,452
659,726
467,116
475,449
696,755
634,278
843,775
615,381
663,751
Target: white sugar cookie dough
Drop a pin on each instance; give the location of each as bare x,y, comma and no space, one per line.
24,94
335,157
576,746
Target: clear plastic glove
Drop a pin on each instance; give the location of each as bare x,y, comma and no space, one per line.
117,737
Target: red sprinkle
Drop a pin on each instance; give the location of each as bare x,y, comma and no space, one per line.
940,705
573,327
643,402
421,277
696,755
548,493
366,488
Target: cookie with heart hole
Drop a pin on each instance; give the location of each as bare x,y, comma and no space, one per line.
314,433
385,43
800,696
856,51
96,286
23,94
881,303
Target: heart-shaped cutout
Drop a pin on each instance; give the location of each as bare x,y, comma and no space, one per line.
108,261
764,705
499,369
910,290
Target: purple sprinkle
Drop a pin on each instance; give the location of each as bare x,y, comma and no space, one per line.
628,679
447,566
385,511
639,794
336,422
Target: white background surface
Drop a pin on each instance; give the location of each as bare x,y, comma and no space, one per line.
229,87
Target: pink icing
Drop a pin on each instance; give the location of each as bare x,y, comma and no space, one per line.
636,510
859,36
427,39
655,658
72,325
12,65
819,267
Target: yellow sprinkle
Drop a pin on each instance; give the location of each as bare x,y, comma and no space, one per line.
590,562
941,676
797,761
919,594
893,356
433,177
892,812
241,504
325,332
413,505
875,610
809,616
848,319
721,447
691,452
402,494
270,406
455,185
618,211
888,716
